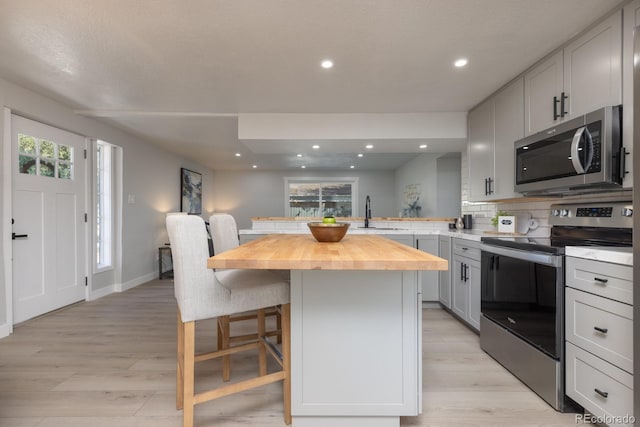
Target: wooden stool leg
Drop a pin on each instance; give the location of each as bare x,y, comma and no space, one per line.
180,364
279,326
262,330
286,362
226,360
189,373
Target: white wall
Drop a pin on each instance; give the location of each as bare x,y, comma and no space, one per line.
438,176
261,193
150,173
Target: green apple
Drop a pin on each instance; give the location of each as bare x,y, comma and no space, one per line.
329,220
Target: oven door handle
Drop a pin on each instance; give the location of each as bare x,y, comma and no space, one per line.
537,257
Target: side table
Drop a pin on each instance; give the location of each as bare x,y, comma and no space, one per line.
165,262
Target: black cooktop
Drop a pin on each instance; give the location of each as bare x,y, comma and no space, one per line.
566,236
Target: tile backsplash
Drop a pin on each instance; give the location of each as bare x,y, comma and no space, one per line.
538,207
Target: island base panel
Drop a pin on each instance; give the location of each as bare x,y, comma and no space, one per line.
346,422
356,353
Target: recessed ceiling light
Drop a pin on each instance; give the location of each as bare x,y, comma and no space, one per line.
326,64
238,154
352,167
460,62
315,147
423,146
254,166
298,155
369,147
360,154
303,167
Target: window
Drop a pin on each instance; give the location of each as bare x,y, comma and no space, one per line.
104,205
317,197
44,158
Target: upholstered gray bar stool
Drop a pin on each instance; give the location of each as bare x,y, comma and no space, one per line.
202,294
224,235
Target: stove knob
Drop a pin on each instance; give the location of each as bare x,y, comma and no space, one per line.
564,212
627,212
555,212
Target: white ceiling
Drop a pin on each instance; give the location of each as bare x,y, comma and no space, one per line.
177,72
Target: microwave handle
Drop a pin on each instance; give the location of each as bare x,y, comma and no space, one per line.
575,158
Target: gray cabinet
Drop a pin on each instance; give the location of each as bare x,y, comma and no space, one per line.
631,15
428,279
465,280
599,336
582,77
494,125
444,282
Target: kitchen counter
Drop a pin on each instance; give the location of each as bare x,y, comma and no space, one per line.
474,235
349,219
304,252
614,255
355,307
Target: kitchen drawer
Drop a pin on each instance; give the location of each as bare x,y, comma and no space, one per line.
468,248
585,373
614,341
613,281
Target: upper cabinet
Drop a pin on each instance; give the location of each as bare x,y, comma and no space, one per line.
494,126
584,76
631,15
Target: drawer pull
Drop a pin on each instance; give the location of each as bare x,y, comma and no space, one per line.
604,394
602,330
597,279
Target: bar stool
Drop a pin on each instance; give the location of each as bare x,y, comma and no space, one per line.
201,294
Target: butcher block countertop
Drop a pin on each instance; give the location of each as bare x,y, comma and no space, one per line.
303,252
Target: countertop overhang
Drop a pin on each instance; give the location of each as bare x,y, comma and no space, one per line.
303,252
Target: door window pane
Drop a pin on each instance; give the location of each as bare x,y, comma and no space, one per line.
64,170
47,148
27,144
43,157
27,164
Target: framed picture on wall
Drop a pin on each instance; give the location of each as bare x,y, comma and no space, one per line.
191,191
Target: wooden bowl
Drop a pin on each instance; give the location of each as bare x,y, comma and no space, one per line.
327,232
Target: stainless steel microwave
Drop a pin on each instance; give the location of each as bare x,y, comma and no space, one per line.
580,155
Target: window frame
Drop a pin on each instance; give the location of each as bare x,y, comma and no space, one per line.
322,181
103,190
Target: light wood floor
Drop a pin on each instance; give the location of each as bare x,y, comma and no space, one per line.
111,362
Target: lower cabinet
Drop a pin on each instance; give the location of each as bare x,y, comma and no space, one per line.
465,280
599,338
429,279
444,282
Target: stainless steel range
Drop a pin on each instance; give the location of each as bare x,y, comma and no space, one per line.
522,291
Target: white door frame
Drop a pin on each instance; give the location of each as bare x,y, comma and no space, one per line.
7,212
7,207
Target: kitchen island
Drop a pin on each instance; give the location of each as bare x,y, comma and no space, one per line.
356,325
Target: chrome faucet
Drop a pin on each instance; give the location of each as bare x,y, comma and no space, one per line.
367,211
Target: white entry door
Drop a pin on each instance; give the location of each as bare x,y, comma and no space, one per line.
49,228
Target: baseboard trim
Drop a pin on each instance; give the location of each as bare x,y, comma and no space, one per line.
121,287
5,330
102,292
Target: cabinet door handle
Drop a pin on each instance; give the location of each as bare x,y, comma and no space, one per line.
562,98
555,108
597,279
15,236
486,186
462,271
601,330
604,394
